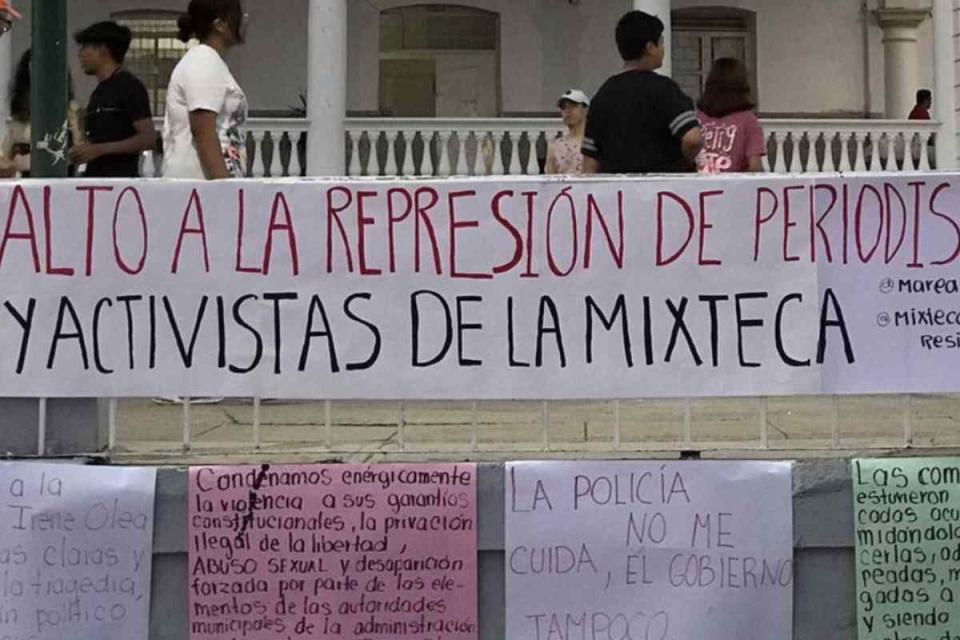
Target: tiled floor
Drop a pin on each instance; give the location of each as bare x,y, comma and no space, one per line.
385,430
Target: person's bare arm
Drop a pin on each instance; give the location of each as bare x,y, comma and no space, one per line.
590,166
691,144
550,168
755,164
143,140
203,126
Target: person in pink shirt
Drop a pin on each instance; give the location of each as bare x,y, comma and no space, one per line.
733,140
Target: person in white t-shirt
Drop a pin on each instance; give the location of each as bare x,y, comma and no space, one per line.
203,136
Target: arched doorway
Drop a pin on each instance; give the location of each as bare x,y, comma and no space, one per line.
439,61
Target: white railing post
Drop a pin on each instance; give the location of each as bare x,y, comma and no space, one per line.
845,151
42,427
514,166
185,416
830,162
780,162
408,166
390,168
443,153
149,169
924,151
899,150
112,424
474,425
868,145
327,424
256,423
462,165
426,165
258,167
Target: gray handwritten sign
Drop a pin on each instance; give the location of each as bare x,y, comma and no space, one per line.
76,544
649,550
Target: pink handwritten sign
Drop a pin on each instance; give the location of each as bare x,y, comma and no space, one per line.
333,551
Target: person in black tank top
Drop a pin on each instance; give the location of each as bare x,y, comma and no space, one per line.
118,122
640,121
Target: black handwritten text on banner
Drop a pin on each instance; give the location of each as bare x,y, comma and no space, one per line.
481,289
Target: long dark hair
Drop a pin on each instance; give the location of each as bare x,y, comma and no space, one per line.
20,90
727,90
198,21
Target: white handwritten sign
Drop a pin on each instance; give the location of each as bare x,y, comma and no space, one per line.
497,288
76,546
649,550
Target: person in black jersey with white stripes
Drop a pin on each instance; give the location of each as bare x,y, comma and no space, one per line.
640,121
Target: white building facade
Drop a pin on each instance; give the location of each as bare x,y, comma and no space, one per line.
502,60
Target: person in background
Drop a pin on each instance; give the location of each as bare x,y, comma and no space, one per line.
640,121
921,111
563,153
733,139
118,123
7,15
203,135
15,149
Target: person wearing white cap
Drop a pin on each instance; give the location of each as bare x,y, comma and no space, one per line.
563,154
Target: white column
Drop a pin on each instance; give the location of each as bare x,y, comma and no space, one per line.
901,58
327,87
661,9
944,91
6,75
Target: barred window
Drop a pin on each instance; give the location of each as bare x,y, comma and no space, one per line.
154,52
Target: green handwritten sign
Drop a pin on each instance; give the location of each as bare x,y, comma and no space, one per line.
907,519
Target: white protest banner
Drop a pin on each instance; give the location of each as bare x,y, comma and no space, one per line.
649,550
76,546
494,288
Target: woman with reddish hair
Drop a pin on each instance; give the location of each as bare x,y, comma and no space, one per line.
733,139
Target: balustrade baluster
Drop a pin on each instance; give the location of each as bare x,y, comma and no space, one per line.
514,154
780,163
531,152
443,152
829,161
149,166
408,166
295,166
860,152
258,169
498,138
844,151
899,158
355,168
391,166
462,168
426,166
924,150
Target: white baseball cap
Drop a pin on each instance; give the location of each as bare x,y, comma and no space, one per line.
574,95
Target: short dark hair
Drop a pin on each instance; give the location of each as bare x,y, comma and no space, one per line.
115,37
727,89
201,14
924,95
635,30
